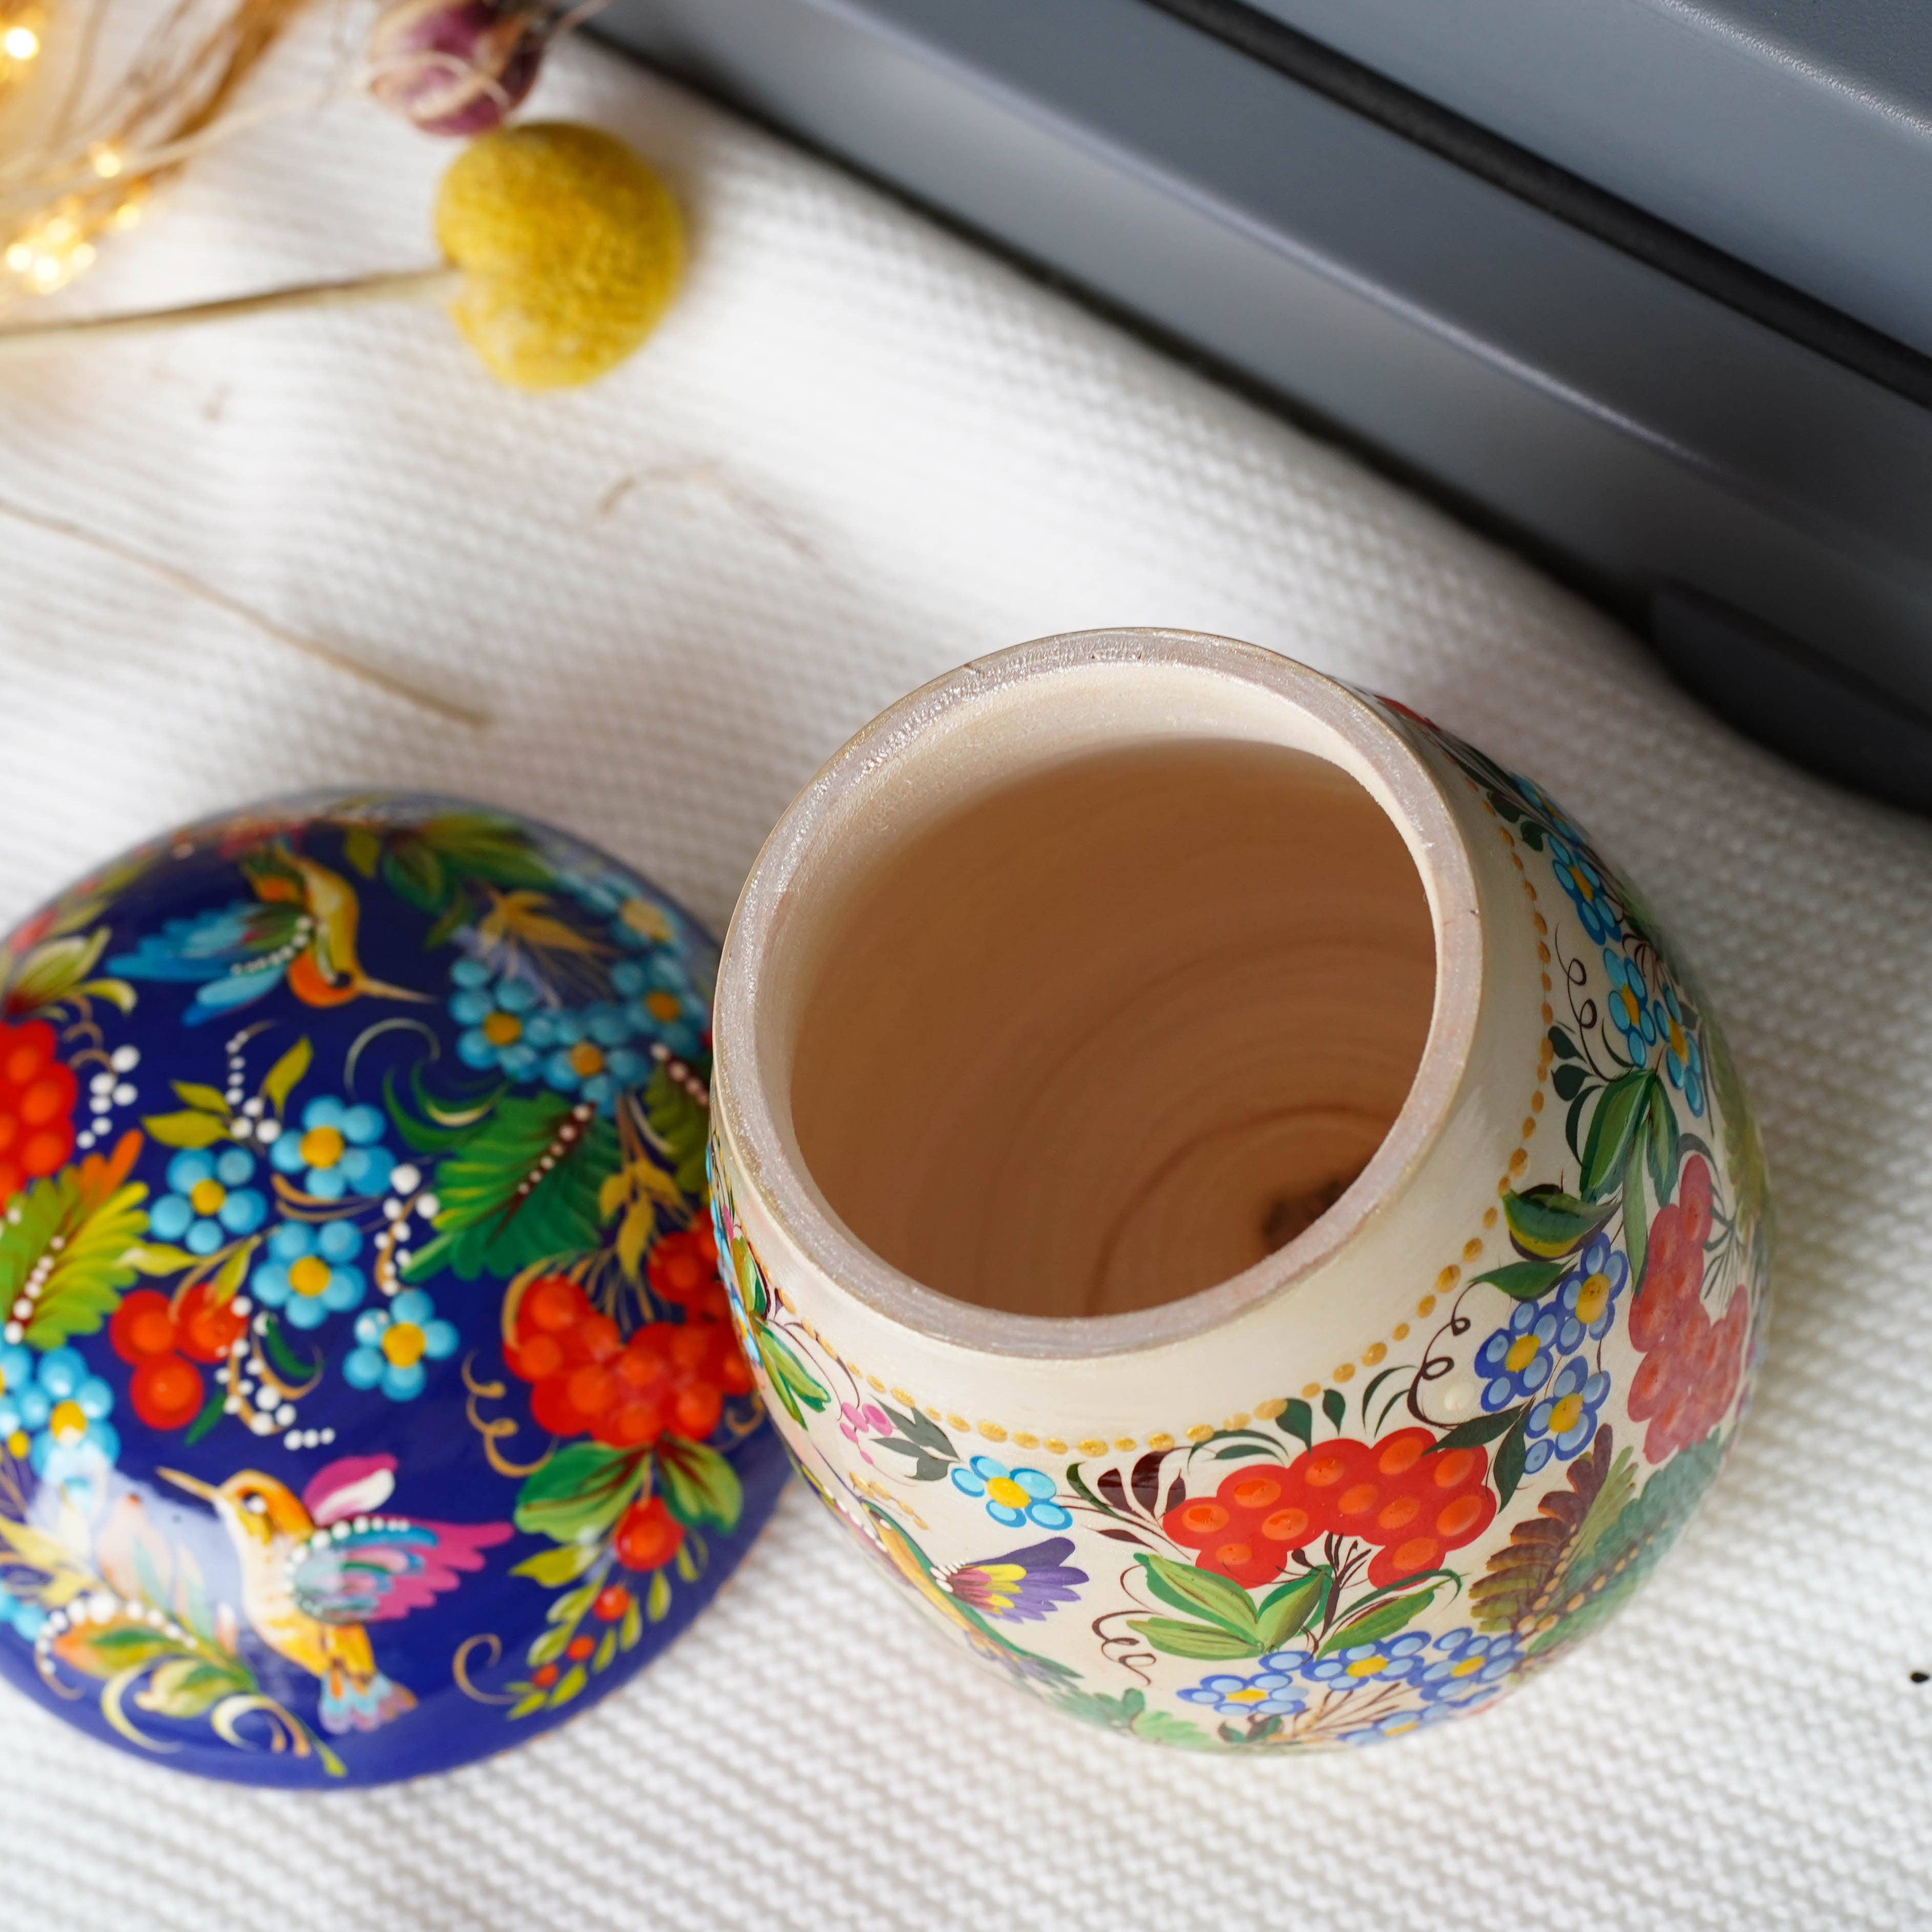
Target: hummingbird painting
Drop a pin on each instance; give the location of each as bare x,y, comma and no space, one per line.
316,1568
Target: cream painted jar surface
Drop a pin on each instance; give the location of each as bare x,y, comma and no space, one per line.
1228,1197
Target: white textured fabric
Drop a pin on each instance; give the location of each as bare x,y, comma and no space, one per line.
858,453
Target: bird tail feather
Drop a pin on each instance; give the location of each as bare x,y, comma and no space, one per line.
360,1700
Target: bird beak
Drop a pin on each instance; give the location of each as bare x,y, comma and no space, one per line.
194,1485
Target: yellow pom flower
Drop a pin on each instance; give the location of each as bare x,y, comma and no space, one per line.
571,248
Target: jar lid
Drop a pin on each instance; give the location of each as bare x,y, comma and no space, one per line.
368,1397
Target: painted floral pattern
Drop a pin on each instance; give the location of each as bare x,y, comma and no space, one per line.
1351,1563
313,1123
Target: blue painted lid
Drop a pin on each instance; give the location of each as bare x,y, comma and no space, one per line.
368,1399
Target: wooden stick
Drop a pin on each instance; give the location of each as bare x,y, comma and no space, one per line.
416,283
193,586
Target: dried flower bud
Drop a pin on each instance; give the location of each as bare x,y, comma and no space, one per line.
457,67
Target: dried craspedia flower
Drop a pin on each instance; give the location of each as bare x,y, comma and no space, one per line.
457,67
570,248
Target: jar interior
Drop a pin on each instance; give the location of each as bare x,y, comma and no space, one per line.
1103,1036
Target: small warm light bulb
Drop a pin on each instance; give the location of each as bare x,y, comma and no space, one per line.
20,43
47,272
19,258
81,254
106,162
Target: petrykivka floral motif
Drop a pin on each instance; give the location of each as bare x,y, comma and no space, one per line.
1349,1551
368,1396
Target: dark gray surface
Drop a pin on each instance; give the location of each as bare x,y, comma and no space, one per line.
1647,432
1796,134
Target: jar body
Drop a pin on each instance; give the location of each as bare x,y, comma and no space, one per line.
1376,1494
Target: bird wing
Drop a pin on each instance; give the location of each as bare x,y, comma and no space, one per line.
375,1569
208,944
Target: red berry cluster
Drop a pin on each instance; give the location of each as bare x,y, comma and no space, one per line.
586,1378
164,1340
1691,1365
683,1271
36,1097
1415,1506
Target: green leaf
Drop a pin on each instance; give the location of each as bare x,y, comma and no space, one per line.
1660,1141
1206,1641
362,849
501,1209
1163,1727
1201,1591
282,1077
798,1388
212,1411
104,1650
525,1706
84,1238
579,1492
413,872
549,1646
1637,1228
1507,1471
1297,1419
553,1567
1384,1619
186,1687
159,1257
51,972
209,1099
572,1680
682,1125
657,1600
632,1628
287,1362
1333,1407
923,1430
1287,1612
1525,1281
1479,1430
1619,1113
565,1610
697,1484
1562,1044
1545,1222
186,1130
1569,1081
606,1651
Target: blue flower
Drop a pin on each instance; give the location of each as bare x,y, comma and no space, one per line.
1269,1693
338,1152
310,1272
1577,873
1516,1359
392,1343
1587,1295
1388,1660
1628,1002
1553,814
1012,1496
495,1020
1683,1058
1466,1667
661,1003
208,1200
1566,1417
1395,1723
27,1618
585,1053
54,1413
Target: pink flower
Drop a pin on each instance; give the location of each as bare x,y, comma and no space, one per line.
857,1419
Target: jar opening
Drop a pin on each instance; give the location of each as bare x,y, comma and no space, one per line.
1100,988
1105,1034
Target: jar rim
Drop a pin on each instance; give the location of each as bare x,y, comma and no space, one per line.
1023,706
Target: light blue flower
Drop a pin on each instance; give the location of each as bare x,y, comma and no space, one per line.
392,1344
585,1053
1586,1298
1395,1723
310,1272
1683,1058
1387,1661
1566,1417
338,1152
1517,1359
661,1003
1577,873
208,1199
1012,1496
1268,1693
1627,1003
1466,1667
495,1018
54,1412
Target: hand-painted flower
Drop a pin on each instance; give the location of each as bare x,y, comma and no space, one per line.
53,1413
1683,1058
392,1344
1518,1358
1466,1667
1012,1496
339,1151
209,1200
1566,1418
1020,1587
1586,1298
1577,873
1268,1693
1628,1003
1387,1661
310,1272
